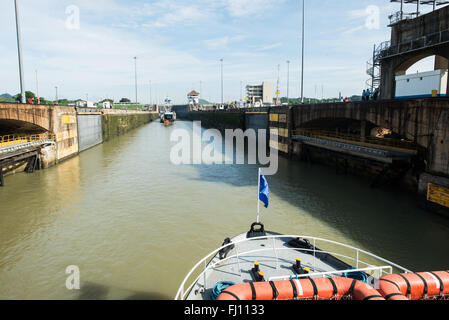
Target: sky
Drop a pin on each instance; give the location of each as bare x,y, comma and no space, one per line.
86,48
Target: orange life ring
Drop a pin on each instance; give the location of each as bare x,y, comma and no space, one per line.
415,286
304,289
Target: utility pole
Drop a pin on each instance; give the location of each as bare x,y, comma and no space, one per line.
19,50
151,97
135,74
222,96
288,82
37,89
302,60
374,68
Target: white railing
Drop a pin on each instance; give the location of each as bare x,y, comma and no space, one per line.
429,40
380,272
183,291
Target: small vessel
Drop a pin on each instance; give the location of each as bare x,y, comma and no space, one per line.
168,118
264,265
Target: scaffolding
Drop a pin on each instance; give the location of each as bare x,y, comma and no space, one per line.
373,66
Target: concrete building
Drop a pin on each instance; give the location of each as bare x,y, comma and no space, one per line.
260,93
413,38
193,97
84,104
106,105
422,85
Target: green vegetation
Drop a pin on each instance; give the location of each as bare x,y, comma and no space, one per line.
2,99
128,106
296,101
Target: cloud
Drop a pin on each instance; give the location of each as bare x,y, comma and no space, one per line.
222,42
179,43
240,8
171,13
271,46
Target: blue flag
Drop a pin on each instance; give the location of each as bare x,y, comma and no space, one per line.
264,192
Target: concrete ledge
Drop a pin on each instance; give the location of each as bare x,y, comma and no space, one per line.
427,178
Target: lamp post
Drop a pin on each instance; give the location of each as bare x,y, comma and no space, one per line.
222,96
151,98
302,60
135,75
56,88
37,89
288,81
19,49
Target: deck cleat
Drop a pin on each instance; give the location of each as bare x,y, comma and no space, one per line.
297,266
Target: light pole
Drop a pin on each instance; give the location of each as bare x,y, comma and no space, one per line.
151,98
37,89
56,95
222,96
302,59
288,81
19,49
135,74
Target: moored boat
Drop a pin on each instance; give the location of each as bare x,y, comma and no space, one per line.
168,118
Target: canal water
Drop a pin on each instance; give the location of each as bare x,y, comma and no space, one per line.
135,224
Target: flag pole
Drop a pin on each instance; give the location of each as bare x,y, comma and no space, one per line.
258,194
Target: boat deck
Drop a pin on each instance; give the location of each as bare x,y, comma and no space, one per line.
276,259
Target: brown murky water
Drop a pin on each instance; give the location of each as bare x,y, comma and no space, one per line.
135,224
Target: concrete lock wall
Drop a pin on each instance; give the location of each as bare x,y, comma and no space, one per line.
118,122
256,121
90,130
220,120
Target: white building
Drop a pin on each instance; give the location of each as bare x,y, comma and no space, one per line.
85,104
260,93
422,85
193,97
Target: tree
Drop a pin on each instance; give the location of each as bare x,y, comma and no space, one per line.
125,100
28,95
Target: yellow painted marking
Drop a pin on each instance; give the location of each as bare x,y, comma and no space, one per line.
283,118
274,117
438,194
283,132
67,119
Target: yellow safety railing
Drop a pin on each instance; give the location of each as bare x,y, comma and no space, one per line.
344,137
13,139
